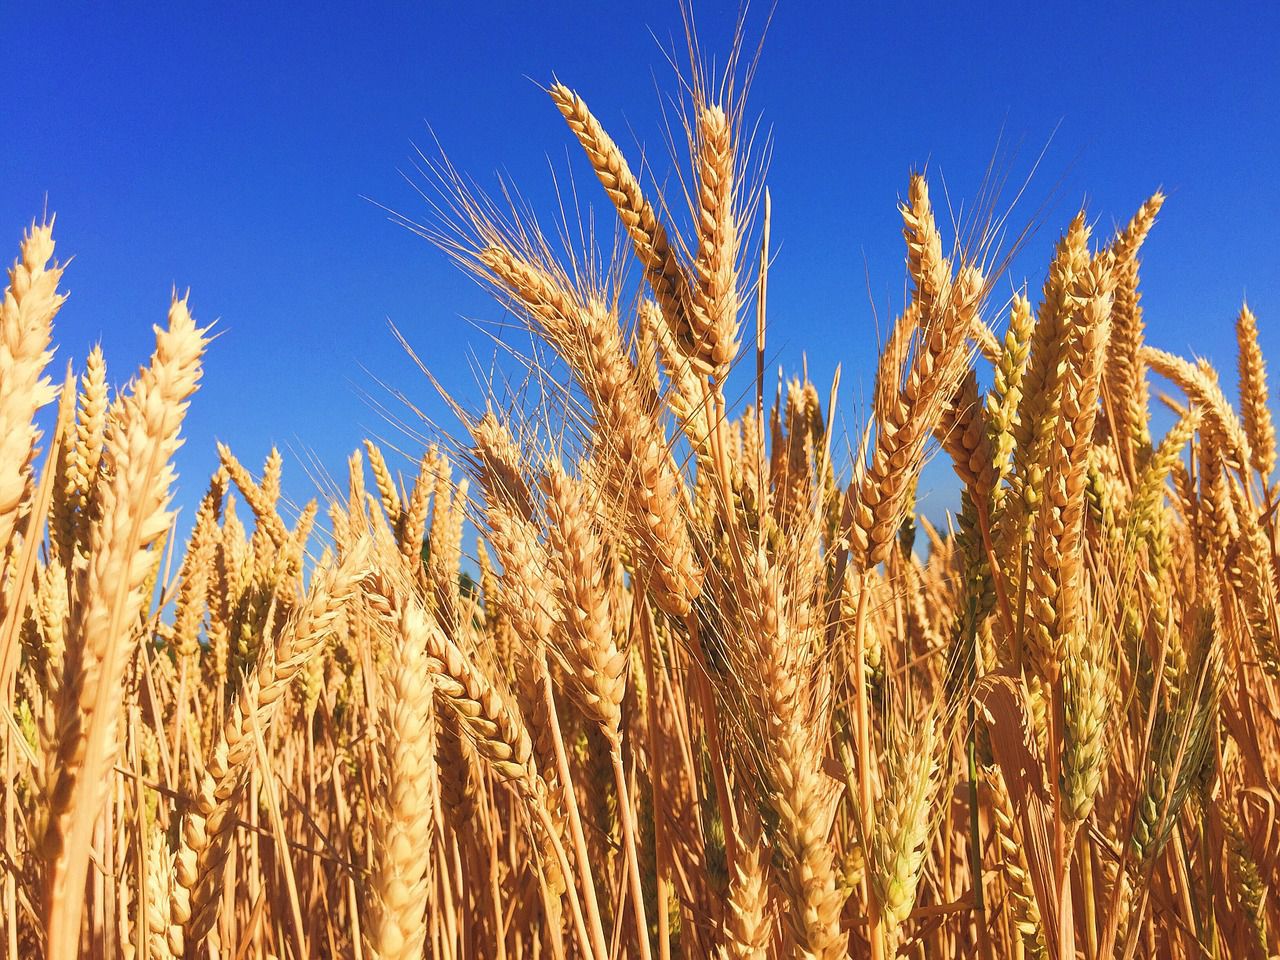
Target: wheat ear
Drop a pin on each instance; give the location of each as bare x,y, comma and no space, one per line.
495,728
101,638
714,312
72,508
1124,378
1248,886
1057,570
900,829
1220,421
913,387
747,925
597,665
654,251
31,301
1255,401
403,806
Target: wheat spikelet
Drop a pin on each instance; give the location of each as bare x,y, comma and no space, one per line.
1048,340
457,770
1150,488
777,658
1246,561
527,587
484,713
444,547
586,334
499,465
413,518
684,395
1182,740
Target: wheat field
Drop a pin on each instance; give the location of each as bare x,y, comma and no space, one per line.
639,664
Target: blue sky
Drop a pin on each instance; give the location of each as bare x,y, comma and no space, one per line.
229,148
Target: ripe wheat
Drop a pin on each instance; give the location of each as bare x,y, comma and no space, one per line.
719,689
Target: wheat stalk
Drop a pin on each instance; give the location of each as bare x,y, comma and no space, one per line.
100,640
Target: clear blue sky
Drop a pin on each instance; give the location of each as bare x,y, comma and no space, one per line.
227,148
